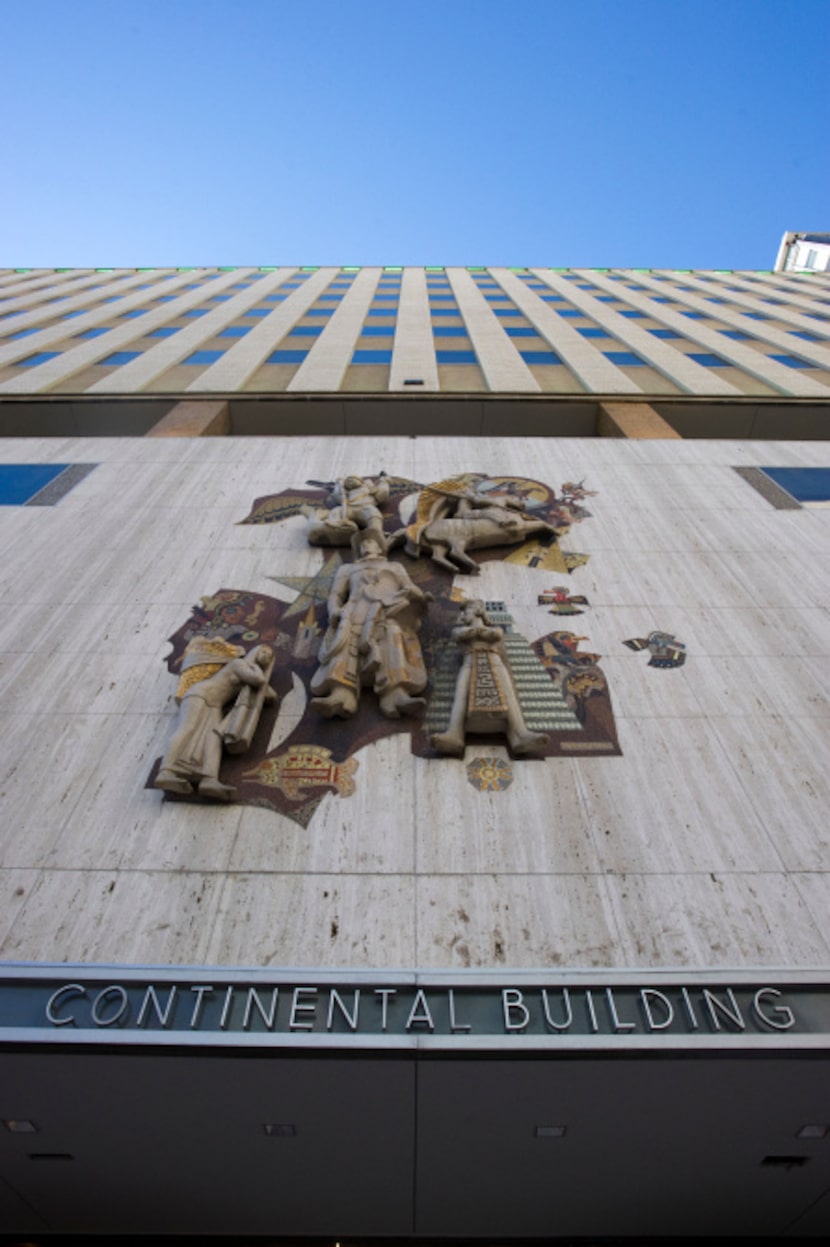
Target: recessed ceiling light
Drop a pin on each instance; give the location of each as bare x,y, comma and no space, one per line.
813,1132
20,1126
550,1132
280,1130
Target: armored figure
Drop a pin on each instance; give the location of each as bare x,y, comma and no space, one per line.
374,613
214,674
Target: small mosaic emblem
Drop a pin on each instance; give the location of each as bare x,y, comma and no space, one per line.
562,602
665,649
304,767
490,774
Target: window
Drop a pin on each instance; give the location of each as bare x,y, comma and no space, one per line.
120,357
378,331
196,311
273,298
372,357
306,331
320,311
203,357
40,358
91,333
257,311
797,333
24,333
710,361
507,311
519,331
540,357
451,331
624,358
286,357
381,311
598,333
737,335
162,333
631,313
139,311
455,357
553,298
569,311
665,333
235,331
442,298
791,361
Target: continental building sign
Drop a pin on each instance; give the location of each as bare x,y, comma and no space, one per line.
384,1011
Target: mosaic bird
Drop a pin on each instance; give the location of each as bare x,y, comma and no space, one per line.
665,649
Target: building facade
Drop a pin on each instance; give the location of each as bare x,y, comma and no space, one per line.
394,990
804,253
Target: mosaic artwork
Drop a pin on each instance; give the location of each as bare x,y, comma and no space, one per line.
561,602
664,648
489,774
380,640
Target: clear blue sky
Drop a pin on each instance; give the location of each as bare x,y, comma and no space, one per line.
657,133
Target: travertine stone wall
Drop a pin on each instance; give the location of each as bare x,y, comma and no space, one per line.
705,845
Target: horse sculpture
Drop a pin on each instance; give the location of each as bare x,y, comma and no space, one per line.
476,523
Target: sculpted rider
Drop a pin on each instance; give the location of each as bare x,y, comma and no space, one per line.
215,673
374,612
485,698
354,504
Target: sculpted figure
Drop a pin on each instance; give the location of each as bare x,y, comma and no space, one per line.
485,697
469,521
215,674
354,503
374,612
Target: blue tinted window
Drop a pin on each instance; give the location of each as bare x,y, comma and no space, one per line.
662,298
286,357
273,298
540,357
737,335
381,311
520,331
455,357
386,298
21,333
138,311
442,298
803,484
330,298
757,315
665,333
596,333
119,357
214,298
507,311
235,331
378,331
553,298
710,361
203,357
800,333
569,311
91,333
372,357
496,298
320,311
257,311
624,357
792,361
21,481
694,315
444,311
607,298
162,333
306,331
196,311
40,358
632,314
450,331
165,298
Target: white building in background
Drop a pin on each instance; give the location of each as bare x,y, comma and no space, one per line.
803,253
388,994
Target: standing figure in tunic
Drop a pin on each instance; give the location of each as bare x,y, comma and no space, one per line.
214,674
374,613
485,699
